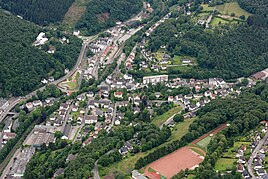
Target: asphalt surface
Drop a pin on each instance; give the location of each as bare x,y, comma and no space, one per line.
254,154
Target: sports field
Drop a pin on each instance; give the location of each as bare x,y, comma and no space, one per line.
171,164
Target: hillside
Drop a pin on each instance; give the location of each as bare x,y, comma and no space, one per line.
22,66
227,51
101,14
38,11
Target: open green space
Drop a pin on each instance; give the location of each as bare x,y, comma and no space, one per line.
72,82
159,120
225,164
127,164
227,9
204,142
159,55
217,21
206,8
198,151
232,7
181,129
228,160
181,69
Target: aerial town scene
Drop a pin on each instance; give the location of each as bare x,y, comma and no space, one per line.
115,89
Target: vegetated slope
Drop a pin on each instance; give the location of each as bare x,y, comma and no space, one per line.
226,51
22,66
101,14
38,11
253,6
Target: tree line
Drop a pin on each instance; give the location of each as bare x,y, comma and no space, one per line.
102,14
23,66
38,11
244,113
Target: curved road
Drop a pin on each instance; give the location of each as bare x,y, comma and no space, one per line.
254,154
28,96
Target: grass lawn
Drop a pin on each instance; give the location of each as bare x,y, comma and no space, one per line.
228,9
197,151
72,82
181,129
232,7
182,69
217,20
225,164
207,8
124,166
204,142
191,176
231,152
176,60
159,55
127,164
203,14
159,120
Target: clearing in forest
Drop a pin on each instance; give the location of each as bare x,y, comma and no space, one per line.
75,12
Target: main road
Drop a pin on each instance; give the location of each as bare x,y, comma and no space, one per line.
254,154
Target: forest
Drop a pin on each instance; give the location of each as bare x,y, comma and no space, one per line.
38,11
101,14
22,66
228,51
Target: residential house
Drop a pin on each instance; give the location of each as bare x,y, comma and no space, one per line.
118,94
240,168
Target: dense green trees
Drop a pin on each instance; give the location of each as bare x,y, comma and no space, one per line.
22,66
178,118
38,11
227,52
244,113
101,14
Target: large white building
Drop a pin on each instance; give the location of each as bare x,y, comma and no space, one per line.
155,79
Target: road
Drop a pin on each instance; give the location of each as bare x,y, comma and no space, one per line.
66,118
15,101
114,113
254,154
169,120
95,170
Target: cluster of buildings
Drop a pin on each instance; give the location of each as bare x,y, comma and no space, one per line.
91,68
100,44
258,157
151,29
58,117
19,165
7,133
261,75
130,60
125,81
40,135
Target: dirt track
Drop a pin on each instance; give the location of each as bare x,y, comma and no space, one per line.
180,159
214,131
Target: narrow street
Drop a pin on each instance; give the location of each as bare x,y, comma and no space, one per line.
254,154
